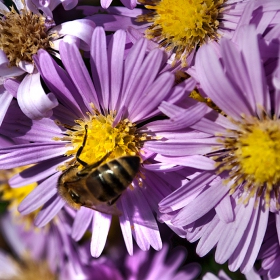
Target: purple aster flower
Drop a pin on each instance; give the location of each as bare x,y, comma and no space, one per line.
43,243
65,260
118,114
25,239
178,27
49,250
22,34
102,268
228,207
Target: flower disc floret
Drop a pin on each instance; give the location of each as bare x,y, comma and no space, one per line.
253,156
103,137
182,27
22,35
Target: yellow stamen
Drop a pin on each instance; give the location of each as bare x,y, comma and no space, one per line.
103,138
182,26
252,157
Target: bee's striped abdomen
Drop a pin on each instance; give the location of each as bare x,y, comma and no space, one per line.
109,180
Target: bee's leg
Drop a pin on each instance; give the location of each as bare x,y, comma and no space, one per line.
81,149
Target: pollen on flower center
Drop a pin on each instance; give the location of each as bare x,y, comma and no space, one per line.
22,35
183,26
103,137
259,152
253,157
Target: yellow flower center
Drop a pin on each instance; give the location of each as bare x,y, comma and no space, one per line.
183,25
22,35
14,196
103,137
253,157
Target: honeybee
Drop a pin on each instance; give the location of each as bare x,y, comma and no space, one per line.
99,185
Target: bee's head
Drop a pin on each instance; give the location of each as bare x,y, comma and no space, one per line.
68,187
70,196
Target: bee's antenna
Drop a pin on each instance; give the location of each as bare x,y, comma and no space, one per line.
81,149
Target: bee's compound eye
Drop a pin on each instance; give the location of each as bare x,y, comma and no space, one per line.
74,196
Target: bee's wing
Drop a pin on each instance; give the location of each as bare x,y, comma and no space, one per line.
105,208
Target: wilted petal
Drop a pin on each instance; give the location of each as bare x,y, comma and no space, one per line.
33,100
81,29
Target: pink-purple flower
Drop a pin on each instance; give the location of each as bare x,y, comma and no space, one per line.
23,33
228,207
180,28
124,102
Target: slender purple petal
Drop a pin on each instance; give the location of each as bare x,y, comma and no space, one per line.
233,232
210,237
11,85
178,198
179,118
105,3
58,82
182,148
219,89
224,209
99,66
33,153
49,211
152,97
126,226
132,64
208,199
252,60
36,173
100,228
81,223
130,4
256,241
144,226
116,56
147,74
41,194
196,161
72,60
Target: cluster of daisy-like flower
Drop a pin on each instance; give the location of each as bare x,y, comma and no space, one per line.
137,124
